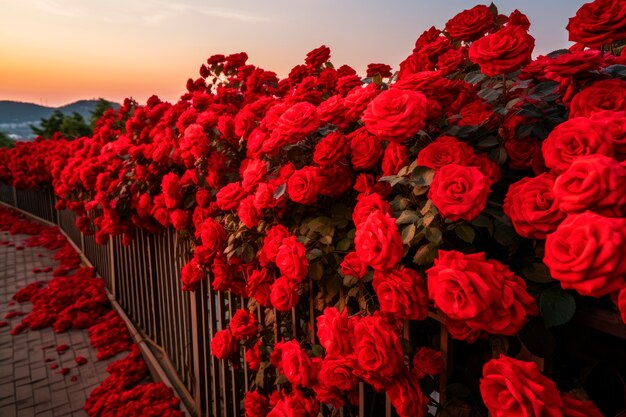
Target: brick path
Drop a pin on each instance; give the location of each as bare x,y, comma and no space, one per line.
28,386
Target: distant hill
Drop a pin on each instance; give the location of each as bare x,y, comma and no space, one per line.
16,117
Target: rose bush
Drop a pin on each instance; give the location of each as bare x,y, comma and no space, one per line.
476,187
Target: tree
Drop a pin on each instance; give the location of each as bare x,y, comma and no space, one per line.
6,141
101,108
71,127
50,125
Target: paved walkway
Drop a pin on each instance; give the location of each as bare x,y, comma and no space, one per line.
28,385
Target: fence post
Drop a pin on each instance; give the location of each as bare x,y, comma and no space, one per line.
14,197
195,340
112,277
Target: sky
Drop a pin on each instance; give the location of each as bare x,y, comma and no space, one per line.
54,52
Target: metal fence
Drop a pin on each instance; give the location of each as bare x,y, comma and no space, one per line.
144,278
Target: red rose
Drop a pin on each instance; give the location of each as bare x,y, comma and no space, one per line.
377,348
337,373
459,192
222,276
195,141
378,242
383,70
223,344
253,174
475,113
255,404
248,212
191,274
259,286
614,123
179,219
452,60
317,56
330,149
598,23
295,364
572,139
483,294
284,294
298,121
586,253
335,180
520,19
264,195
531,205
253,357
229,196
402,294
365,148
332,328
599,96
172,191
511,387
303,185
243,325
502,52
427,362
395,157
352,266
333,111
573,407
471,24
406,396
594,183
291,259
524,154
396,114
358,99
445,150
212,235
272,241
366,205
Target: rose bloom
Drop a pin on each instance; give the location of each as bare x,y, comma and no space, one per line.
377,348
596,183
502,52
483,294
395,157
248,212
212,235
223,344
531,205
402,294
445,150
337,373
317,56
406,396
459,192
395,114
352,266
572,139
598,23
471,24
511,387
273,240
573,407
383,70
255,404
332,111
601,95
378,242
330,149
172,191
621,303
524,154
229,196
296,364
614,123
191,274
291,259
253,357
366,205
243,325
303,185
366,149
298,121
332,328
284,294
586,253
427,362
253,174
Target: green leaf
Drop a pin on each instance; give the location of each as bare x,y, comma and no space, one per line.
465,232
557,306
316,270
475,77
537,338
422,176
313,254
407,216
433,234
344,244
425,255
536,272
494,9
408,233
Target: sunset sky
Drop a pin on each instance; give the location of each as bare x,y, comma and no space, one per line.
57,51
